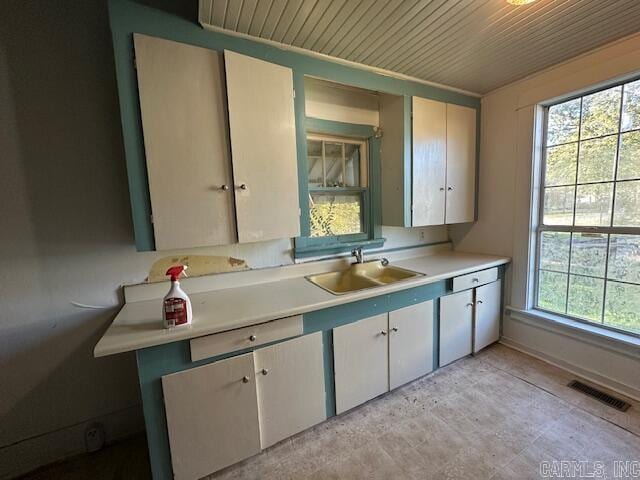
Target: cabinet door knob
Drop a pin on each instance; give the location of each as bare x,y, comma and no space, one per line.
479,301
264,371
470,304
252,338
395,329
383,333
449,188
442,189
224,187
243,186
245,379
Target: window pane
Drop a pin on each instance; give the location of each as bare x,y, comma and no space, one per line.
585,297
314,165
601,113
597,159
627,212
552,291
593,204
560,166
631,106
333,159
622,308
338,214
352,165
562,122
629,156
624,258
558,206
554,251
588,253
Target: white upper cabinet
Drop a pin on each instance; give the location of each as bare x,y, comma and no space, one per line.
429,161
461,164
220,145
184,117
443,163
263,147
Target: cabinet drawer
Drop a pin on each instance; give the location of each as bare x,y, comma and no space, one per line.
471,280
225,342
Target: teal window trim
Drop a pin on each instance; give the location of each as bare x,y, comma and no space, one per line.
306,246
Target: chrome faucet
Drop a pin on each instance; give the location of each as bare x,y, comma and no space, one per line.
357,252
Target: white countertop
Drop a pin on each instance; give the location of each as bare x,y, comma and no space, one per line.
139,324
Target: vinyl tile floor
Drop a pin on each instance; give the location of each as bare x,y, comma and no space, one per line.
499,415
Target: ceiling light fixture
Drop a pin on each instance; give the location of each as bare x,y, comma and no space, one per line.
520,2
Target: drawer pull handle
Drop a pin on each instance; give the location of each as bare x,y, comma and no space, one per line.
224,188
265,371
252,338
475,280
395,329
383,333
245,379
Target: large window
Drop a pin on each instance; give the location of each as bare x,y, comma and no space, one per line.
589,228
337,175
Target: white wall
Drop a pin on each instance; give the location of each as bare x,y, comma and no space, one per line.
66,233
505,194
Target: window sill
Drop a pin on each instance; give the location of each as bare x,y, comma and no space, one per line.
335,248
630,344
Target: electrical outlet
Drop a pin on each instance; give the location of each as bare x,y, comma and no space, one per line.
94,437
422,235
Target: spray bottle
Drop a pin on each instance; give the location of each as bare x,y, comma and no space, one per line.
177,306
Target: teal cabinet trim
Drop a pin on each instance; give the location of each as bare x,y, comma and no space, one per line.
306,246
129,16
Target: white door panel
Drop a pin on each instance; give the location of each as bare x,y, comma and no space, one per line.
212,416
410,343
361,363
429,162
291,395
263,148
461,164
487,321
456,322
184,122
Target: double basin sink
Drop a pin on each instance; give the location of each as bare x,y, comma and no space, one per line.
361,276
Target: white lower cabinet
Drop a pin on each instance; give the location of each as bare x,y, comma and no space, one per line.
469,321
291,395
410,343
212,416
487,310
380,353
226,411
456,325
360,357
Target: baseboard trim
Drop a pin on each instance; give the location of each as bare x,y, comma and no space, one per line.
587,374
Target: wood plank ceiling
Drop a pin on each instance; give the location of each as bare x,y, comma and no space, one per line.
476,45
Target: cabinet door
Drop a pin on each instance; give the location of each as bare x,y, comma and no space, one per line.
263,147
456,321
487,321
361,362
184,122
429,162
461,164
291,395
212,416
410,343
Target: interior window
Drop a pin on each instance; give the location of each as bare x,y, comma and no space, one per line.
337,172
588,262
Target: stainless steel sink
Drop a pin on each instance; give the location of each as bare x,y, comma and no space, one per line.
361,276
